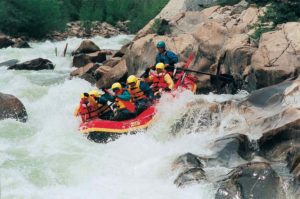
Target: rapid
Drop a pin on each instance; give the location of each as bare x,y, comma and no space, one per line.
47,157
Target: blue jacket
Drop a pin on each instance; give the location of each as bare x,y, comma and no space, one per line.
146,89
107,97
168,57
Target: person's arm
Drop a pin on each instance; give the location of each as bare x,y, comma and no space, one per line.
173,59
104,98
169,81
148,79
147,90
124,96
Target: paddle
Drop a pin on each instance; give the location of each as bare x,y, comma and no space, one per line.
223,77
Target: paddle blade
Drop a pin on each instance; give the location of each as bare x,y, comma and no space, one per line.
189,60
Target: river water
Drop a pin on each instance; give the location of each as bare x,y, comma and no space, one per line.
47,157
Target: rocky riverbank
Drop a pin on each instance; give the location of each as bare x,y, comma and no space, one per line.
220,39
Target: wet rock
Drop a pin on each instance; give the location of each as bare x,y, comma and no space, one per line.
278,55
187,161
277,143
12,107
251,180
190,168
233,147
35,64
5,42
80,60
107,75
86,46
194,175
9,62
19,43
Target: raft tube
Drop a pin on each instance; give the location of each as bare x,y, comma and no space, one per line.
100,130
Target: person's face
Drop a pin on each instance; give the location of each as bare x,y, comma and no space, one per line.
159,71
117,91
132,84
160,50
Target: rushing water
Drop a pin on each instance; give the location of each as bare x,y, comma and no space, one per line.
47,157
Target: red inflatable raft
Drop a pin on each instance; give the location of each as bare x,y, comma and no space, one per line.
100,130
105,130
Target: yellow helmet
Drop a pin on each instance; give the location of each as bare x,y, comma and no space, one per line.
131,79
83,95
94,93
116,85
160,66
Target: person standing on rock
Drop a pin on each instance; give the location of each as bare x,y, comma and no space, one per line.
167,57
140,91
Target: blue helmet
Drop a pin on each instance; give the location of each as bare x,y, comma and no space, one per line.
161,44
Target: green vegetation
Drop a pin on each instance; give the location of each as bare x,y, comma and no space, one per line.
277,12
36,18
33,18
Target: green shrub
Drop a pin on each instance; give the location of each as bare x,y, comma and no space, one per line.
32,18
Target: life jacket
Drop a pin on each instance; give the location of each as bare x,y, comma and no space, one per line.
158,81
88,111
92,109
124,105
136,92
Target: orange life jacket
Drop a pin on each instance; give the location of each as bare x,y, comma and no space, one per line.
158,81
136,92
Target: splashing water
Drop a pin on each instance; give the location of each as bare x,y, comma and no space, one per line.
48,158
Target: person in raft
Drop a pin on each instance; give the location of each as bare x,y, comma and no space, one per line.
105,111
160,79
125,109
87,109
141,93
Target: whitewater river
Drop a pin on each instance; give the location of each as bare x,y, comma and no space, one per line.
47,157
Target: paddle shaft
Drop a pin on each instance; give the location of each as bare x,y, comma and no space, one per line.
227,78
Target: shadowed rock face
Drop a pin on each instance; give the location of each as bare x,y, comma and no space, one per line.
11,107
276,144
272,95
251,180
233,146
35,64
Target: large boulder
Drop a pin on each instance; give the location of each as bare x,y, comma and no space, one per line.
251,180
86,46
86,72
82,59
12,107
107,75
278,55
35,64
5,42
20,43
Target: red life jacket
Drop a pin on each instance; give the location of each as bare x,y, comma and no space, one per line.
158,81
88,111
